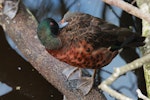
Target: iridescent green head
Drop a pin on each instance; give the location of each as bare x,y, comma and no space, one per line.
48,31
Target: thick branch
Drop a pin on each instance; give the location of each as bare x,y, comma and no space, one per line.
129,8
22,29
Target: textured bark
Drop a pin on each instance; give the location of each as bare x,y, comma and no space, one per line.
22,29
145,7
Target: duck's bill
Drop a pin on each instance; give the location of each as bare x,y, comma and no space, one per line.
62,25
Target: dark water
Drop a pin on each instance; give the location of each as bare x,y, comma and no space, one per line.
32,85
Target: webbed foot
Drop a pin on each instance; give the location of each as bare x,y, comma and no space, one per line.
84,84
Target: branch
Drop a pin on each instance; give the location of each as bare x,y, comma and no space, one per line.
142,13
129,9
22,29
120,71
141,96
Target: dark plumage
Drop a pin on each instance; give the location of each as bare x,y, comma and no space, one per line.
90,42
86,42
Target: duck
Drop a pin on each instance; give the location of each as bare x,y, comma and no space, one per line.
85,41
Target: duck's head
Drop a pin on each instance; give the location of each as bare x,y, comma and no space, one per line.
48,31
48,25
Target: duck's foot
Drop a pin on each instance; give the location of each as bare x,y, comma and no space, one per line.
72,73
84,84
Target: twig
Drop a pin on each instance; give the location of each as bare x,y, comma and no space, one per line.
129,8
140,95
134,1
120,71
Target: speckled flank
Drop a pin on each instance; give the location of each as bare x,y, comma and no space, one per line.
90,42
84,56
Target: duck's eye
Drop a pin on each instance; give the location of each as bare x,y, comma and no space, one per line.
51,23
54,27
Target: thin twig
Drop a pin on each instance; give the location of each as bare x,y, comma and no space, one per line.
120,71
140,95
129,8
134,1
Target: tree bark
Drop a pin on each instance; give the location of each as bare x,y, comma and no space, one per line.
22,29
145,7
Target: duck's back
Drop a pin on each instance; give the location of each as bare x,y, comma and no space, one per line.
90,42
